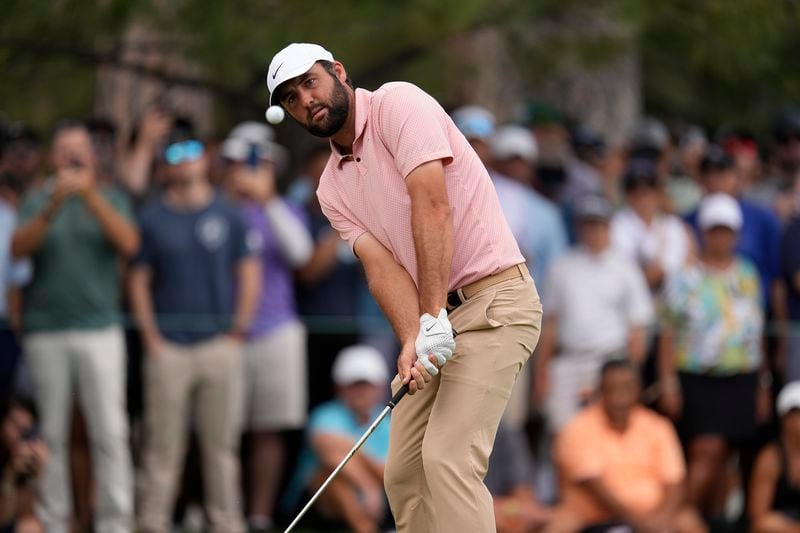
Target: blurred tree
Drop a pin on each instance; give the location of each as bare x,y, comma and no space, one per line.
707,60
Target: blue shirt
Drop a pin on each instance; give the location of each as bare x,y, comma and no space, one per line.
193,256
536,223
759,241
12,273
334,417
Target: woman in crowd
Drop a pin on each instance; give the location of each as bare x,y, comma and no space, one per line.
712,371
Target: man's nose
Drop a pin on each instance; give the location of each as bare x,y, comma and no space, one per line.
306,98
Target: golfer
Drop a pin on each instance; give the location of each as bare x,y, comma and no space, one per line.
411,197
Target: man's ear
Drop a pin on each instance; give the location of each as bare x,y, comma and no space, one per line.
341,73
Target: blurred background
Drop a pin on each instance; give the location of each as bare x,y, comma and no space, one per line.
660,139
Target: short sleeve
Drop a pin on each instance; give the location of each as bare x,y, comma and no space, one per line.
348,229
31,204
146,256
119,198
576,451
669,461
414,127
639,301
329,418
20,273
245,240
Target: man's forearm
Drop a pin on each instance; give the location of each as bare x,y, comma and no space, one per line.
432,228
607,500
142,303
396,294
249,292
122,234
28,238
637,344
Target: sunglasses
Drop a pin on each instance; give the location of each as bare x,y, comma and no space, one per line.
183,152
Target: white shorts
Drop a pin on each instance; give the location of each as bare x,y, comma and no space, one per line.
275,379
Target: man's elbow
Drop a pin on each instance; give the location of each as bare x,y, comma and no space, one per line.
128,246
18,248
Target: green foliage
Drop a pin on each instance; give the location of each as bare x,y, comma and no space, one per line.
721,61
705,60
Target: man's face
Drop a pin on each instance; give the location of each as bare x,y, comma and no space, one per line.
594,234
644,199
790,424
619,391
482,149
187,171
360,397
725,181
15,426
22,158
516,168
73,147
788,150
720,241
318,100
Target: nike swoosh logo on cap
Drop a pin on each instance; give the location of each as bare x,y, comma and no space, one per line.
276,70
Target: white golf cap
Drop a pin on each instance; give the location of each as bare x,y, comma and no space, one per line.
719,209
788,398
249,135
360,363
292,61
512,141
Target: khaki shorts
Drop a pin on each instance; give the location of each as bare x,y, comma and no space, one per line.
275,379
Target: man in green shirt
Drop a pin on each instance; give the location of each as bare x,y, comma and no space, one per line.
75,229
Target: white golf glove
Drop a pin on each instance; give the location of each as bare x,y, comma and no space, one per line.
435,337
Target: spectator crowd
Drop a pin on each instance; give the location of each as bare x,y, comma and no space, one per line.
186,343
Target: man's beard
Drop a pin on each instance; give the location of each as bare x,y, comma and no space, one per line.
338,109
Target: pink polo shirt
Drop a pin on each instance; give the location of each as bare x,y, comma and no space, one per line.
398,128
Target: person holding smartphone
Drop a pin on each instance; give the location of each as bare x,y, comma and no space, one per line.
76,229
23,455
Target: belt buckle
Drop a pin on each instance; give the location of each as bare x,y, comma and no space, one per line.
453,300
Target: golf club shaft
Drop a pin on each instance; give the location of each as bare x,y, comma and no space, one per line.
396,398
389,406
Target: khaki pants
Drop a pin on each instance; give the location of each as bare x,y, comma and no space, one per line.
89,365
203,380
441,437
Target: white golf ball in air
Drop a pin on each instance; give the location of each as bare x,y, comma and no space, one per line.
275,114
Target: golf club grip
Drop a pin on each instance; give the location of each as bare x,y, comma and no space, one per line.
398,396
404,389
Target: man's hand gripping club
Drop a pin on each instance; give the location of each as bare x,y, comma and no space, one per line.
434,346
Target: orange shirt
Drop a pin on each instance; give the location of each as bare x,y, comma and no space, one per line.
398,128
635,465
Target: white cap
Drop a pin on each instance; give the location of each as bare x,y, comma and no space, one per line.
246,135
475,122
512,141
788,398
719,209
360,363
292,61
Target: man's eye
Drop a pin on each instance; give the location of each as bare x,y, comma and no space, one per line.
309,82
290,100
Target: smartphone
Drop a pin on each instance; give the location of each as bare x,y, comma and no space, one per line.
30,435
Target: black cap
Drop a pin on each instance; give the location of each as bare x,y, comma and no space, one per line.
640,173
716,159
786,125
182,130
593,207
